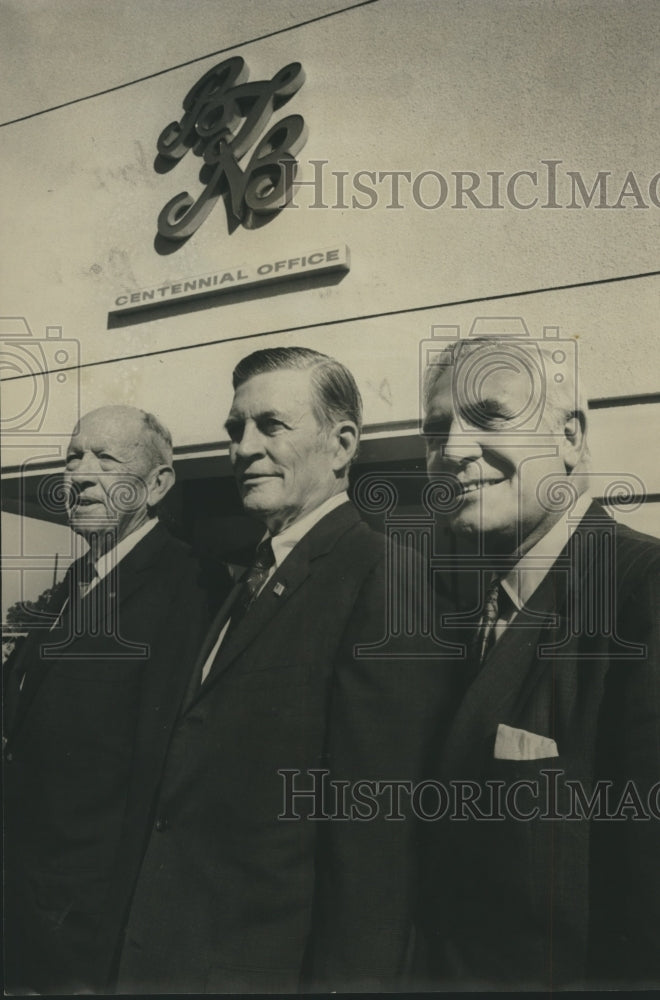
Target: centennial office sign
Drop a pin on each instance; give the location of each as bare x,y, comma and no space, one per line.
232,279
224,116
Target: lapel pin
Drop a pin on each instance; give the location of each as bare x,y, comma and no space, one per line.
279,589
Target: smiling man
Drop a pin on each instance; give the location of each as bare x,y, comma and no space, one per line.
548,876
247,887
89,701
288,459
507,437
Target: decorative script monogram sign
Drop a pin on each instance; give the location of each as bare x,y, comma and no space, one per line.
224,117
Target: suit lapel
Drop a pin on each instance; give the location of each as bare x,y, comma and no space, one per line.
292,573
514,668
30,668
163,687
281,587
277,591
128,575
31,661
212,635
510,670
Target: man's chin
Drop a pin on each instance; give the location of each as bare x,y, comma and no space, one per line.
258,498
491,536
87,526
465,526
257,506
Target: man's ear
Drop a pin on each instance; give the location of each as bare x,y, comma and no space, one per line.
161,481
575,429
345,435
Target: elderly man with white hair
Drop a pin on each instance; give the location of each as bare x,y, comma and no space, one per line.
90,701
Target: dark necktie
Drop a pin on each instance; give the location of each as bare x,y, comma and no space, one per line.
86,575
483,638
252,583
76,585
73,588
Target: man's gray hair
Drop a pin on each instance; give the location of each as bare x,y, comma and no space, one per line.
158,437
336,395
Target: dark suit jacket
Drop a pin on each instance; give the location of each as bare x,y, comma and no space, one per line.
232,895
546,902
84,743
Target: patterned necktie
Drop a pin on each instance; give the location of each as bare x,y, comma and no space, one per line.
85,575
252,582
491,613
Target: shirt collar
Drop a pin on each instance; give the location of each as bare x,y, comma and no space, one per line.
532,568
111,558
291,535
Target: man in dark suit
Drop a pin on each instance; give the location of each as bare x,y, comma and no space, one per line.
544,871
252,880
89,703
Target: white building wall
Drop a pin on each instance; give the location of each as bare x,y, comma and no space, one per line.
393,85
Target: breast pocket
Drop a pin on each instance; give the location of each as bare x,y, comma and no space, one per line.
526,789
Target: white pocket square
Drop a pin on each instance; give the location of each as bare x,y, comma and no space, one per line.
518,744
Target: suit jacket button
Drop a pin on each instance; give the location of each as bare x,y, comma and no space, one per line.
162,824
9,757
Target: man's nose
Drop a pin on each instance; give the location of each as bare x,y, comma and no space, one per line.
86,470
250,443
462,444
